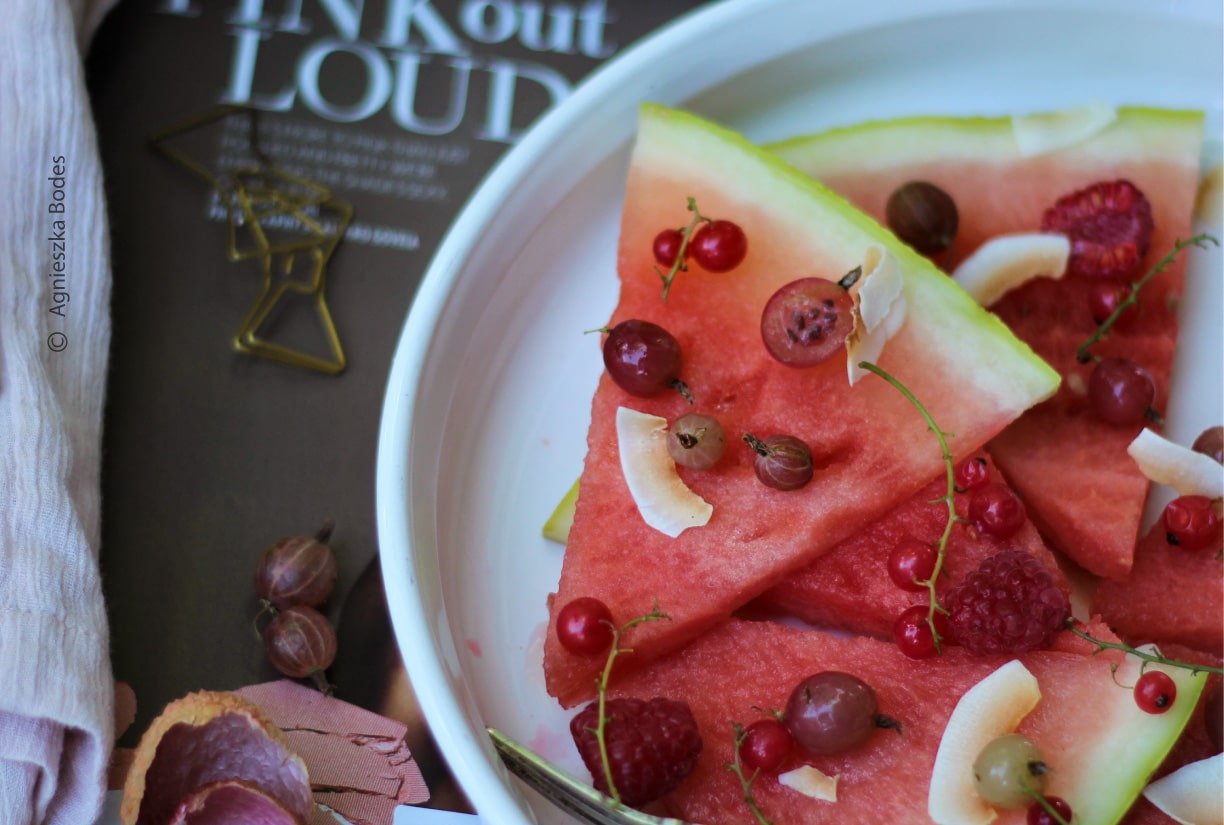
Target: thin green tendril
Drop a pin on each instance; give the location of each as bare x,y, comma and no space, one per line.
602,726
737,767
1201,241
1103,645
948,498
686,236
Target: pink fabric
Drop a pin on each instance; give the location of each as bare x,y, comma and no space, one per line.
56,688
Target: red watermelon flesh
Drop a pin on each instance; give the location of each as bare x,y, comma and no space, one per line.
1172,595
849,589
742,670
1083,491
872,449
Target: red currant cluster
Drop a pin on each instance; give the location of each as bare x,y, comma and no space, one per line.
292,578
993,509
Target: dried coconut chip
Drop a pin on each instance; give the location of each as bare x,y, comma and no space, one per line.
811,782
1008,261
1192,794
878,311
1050,131
663,499
1188,472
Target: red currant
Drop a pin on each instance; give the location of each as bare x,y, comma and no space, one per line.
997,510
1104,297
719,246
972,473
584,626
666,246
765,745
1121,392
1191,522
1155,691
913,635
911,564
1037,815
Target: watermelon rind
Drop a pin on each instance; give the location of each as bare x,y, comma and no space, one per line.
1004,370
1128,744
888,144
561,519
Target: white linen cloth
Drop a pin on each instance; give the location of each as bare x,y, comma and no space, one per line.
56,686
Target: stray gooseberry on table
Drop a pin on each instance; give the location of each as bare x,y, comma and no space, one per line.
297,570
300,642
643,359
831,713
292,578
923,215
807,321
782,462
696,441
1191,522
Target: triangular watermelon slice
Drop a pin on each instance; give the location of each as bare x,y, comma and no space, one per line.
1082,489
849,589
1100,746
1172,595
871,448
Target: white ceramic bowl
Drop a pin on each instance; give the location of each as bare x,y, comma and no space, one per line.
487,404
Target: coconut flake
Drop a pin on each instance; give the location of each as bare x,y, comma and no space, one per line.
1186,471
878,311
1192,794
1050,131
991,708
811,782
1007,261
661,496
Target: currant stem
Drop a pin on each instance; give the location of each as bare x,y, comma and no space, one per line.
601,727
737,768
1201,241
1040,799
1147,657
678,265
948,498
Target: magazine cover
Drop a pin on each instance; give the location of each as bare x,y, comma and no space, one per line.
278,174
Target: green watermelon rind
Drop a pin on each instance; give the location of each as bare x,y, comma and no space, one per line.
1130,748
1144,132
1005,372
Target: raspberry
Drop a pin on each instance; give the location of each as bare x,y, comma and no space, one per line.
1009,604
652,746
1110,227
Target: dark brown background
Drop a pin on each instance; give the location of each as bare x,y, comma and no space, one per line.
211,455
